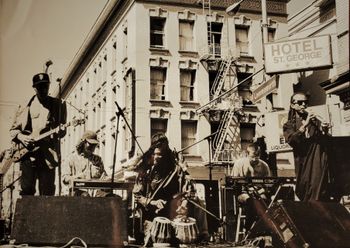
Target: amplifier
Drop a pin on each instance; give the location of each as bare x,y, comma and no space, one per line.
305,224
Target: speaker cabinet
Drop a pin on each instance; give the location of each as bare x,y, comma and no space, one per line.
212,200
305,224
230,211
44,220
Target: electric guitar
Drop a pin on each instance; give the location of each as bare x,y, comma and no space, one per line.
20,151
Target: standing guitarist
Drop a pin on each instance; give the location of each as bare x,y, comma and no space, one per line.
41,114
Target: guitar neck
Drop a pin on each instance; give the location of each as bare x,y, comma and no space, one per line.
52,131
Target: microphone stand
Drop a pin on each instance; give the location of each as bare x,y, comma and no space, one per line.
77,109
59,137
222,222
205,210
118,113
209,138
121,113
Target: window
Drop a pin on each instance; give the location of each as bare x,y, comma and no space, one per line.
128,87
244,89
186,35
158,77
125,43
114,57
159,126
157,32
215,40
242,40
187,80
188,136
212,77
104,68
327,10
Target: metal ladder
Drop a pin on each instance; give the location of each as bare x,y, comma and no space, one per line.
220,77
227,132
206,4
240,229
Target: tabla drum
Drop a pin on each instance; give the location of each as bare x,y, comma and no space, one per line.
162,231
186,230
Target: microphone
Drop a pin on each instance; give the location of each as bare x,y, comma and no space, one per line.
47,64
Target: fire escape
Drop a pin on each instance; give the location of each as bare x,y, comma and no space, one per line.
224,102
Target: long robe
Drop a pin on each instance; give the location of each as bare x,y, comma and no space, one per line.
311,159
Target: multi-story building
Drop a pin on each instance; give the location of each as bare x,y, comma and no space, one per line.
158,61
329,87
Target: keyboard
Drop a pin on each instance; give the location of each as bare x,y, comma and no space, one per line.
101,184
239,181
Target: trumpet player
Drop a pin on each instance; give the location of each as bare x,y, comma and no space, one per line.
307,135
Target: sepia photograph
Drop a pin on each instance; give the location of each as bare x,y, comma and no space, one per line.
174,123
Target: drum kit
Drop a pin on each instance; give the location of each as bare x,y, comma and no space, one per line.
165,231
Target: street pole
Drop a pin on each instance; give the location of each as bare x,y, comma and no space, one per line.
264,21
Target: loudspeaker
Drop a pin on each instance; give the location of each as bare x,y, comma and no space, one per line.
305,224
212,203
230,212
55,220
339,158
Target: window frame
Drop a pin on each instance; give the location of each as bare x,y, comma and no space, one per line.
155,32
163,95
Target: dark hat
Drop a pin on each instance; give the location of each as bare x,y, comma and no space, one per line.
91,137
40,78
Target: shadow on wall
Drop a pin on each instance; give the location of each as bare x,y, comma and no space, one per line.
310,83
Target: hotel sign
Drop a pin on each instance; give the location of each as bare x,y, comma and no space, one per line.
266,88
298,55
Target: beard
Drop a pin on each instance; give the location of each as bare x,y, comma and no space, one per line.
254,162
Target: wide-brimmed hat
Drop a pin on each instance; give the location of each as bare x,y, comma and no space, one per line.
91,137
40,78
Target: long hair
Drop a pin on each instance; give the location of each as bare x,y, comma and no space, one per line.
168,162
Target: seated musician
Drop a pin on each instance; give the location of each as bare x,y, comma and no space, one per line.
84,164
161,182
251,166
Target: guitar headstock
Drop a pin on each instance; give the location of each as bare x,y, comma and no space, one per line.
77,122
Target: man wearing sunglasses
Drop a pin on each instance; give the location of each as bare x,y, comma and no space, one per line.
305,134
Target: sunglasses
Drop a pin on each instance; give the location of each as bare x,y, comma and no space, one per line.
300,102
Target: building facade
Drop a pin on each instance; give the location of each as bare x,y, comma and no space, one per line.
329,87
157,61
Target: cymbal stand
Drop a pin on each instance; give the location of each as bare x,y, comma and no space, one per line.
209,138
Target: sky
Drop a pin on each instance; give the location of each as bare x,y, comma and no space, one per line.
31,33
35,31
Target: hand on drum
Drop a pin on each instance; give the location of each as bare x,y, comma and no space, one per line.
242,198
159,204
